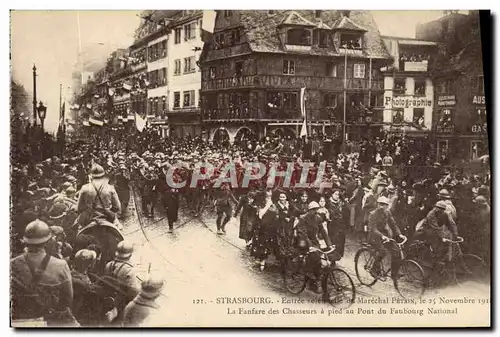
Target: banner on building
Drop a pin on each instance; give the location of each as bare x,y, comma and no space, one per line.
407,102
96,121
447,100
140,122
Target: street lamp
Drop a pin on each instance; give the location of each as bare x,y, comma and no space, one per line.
42,111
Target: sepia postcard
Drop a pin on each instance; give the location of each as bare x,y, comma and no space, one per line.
250,168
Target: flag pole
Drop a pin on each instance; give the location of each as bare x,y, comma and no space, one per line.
344,126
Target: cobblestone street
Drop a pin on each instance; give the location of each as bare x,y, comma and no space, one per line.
201,268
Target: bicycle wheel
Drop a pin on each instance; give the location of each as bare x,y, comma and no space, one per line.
469,267
339,289
363,262
410,281
294,277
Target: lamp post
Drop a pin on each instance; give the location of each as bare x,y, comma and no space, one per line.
34,96
42,111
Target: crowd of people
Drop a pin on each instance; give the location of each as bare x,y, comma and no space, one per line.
52,200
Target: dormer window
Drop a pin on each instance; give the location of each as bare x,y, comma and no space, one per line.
270,12
298,37
351,41
228,13
317,13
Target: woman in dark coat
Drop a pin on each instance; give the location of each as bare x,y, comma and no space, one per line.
283,230
339,219
248,217
300,205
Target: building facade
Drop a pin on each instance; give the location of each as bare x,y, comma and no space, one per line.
460,122
408,86
184,75
254,67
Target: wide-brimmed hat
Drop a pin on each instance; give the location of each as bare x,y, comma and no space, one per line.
480,200
58,211
383,200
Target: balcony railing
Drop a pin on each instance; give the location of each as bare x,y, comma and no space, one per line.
375,116
294,81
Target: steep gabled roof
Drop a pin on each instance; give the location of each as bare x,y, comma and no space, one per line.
344,23
295,19
263,36
322,25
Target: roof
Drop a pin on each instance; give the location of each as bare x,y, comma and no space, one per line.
322,25
295,19
345,23
263,36
409,41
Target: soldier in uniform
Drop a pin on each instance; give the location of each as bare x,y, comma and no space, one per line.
42,285
143,305
149,178
98,200
121,269
122,179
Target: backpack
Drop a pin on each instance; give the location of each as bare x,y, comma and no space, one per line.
33,300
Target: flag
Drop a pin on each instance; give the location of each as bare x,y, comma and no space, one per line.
303,102
96,121
140,122
303,130
207,27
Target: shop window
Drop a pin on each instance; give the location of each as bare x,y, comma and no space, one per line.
418,117
445,123
397,116
359,70
290,100
399,85
178,33
479,120
351,41
288,67
420,88
177,69
177,99
331,69
274,99
477,149
298,37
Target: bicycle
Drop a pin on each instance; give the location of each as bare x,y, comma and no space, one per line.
409,279
459,269
338,287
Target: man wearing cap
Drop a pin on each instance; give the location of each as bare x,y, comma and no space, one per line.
144,304
382,228
41,284
98,199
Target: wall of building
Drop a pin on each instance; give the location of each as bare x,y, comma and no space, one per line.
408,101
184,81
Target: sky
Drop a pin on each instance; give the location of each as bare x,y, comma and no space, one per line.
49,39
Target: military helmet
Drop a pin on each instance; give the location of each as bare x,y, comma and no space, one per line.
383,200
313,205
97,171
151,287
441,204
124,249
37,232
